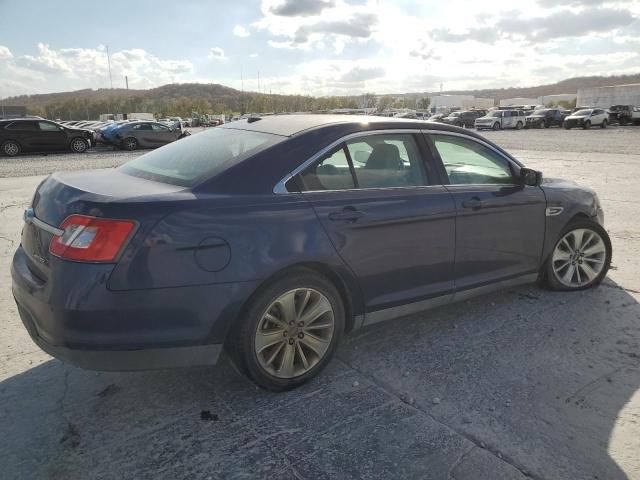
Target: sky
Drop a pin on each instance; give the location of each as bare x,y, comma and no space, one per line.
313,47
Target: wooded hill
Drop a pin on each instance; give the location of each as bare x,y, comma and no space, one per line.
182,99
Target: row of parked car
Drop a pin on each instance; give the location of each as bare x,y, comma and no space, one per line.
40,135
521,117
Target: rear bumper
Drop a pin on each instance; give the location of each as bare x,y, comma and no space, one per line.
76,318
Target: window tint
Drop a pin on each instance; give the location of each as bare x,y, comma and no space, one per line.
159,128
48,127
330,173
24,126
470,163
384,161
199,157
142,126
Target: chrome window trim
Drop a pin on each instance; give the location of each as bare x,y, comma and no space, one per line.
281,189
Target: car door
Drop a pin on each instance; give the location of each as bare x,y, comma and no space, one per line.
52,136
500,223
144,134
26,133
162,134
387,218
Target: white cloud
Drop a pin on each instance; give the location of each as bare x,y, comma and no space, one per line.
253,55
5,53
216,53
240,31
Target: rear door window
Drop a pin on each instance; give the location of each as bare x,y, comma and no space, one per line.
48,127
333,172
23,126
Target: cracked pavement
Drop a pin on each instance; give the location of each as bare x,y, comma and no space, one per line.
524,383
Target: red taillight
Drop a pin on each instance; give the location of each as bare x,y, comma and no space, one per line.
91,239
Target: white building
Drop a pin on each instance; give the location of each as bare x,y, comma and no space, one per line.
510,102
607,96
559,97
441,102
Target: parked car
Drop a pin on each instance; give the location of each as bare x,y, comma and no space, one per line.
28,135
587,118
545,118
624,114
133,135
226,240
500,119
465,118
437,117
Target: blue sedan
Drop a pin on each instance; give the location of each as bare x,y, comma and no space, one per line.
272,237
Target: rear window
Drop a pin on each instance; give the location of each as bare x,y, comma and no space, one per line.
194,159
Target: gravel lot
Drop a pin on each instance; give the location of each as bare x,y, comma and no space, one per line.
521,384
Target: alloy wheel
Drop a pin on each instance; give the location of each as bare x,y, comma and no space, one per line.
579,258
78,146
294,333
11,148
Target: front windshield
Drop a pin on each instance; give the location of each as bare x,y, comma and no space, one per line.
582,113
454,114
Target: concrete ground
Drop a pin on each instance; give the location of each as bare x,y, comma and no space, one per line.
521,384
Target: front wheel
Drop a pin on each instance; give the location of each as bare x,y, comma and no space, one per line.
587,125
78,145
603,124
289,330
518,125
496,126
581,257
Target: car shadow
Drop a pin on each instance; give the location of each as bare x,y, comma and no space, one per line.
541,383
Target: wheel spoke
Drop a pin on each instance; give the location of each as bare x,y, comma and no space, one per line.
288,306
568,275
596,249
275,353
268,339
303,357
577,238
316,310
561,255
566,244
286,367
578,276
319,326
564,265
589,272
303,303
275,320
315,343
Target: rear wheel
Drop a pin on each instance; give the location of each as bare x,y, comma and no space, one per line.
518,125
289,330
10,148
78,145
581,257
603,124
130,143
496,126
587,125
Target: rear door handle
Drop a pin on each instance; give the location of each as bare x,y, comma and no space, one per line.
475,203
347,214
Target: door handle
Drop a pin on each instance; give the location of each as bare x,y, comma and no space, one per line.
475,203
347,214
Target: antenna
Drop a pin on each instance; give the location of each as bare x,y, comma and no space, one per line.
258,81
109,62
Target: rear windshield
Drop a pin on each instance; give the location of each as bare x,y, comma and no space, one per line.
191,160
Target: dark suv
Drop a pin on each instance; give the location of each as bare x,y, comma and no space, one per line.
545,118
466,118
35,135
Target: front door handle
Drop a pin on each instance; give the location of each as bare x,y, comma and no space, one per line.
475,203
347,214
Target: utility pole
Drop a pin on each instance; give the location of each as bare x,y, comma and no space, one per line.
126,81
109,63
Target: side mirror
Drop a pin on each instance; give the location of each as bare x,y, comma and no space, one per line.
530,177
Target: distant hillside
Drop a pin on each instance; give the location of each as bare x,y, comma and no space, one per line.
570,85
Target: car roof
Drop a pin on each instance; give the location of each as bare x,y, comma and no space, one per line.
290,125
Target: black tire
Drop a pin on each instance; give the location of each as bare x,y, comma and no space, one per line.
130,143
11,148
603,124
549,277
240,344
519,126
78,145
459,124
496,126
546,125
587,125
567,127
